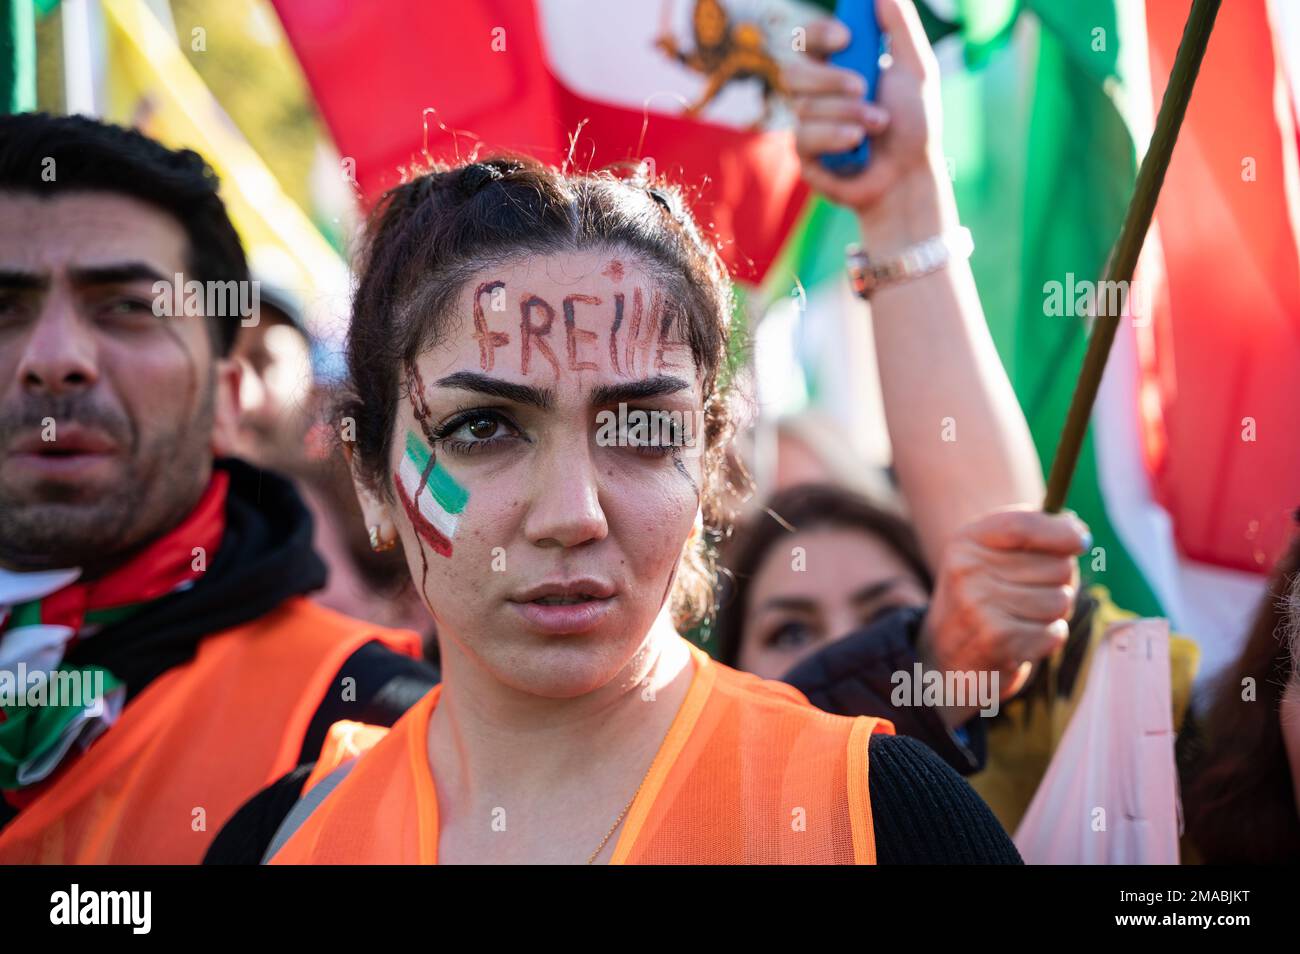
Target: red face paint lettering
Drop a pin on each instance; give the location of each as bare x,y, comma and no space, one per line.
634,328
488,341
528,331
572,333
613,332
643,320
673,317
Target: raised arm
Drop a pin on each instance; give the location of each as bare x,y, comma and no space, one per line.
960,441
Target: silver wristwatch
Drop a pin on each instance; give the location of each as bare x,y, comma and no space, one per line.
914,261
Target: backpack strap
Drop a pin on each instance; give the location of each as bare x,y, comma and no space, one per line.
304,807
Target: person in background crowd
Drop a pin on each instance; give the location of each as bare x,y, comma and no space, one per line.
816,564
1242,771
281,427
855,605
136,561
866,561
276,386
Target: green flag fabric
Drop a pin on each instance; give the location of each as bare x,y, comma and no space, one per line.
17,56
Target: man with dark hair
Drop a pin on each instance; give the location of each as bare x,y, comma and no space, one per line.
152,610
45,156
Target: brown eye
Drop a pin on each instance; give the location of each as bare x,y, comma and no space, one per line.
478,431
483,427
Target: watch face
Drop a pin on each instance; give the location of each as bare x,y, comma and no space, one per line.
860,277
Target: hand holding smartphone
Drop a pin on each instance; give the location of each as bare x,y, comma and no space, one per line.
863,56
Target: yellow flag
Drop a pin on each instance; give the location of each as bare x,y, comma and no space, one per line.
153,87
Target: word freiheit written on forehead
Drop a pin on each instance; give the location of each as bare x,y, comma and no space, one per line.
645,329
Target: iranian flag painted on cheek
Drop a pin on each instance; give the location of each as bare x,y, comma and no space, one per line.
432,499
692,85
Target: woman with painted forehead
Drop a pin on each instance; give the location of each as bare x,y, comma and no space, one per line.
537,421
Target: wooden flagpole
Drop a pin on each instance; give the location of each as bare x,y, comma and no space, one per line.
1124,256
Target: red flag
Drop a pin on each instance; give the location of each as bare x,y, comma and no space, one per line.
689,84
1222,356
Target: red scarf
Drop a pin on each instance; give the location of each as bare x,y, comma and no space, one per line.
159,569
164,566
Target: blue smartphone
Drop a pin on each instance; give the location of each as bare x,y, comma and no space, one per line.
863,55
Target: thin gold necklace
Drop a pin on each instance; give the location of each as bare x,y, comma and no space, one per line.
617,821
626,808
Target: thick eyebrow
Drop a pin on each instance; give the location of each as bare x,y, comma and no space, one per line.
486,384
100,275
23,281
637,390
873,590
797,603
116,274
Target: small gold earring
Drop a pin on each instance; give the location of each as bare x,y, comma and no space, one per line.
378,545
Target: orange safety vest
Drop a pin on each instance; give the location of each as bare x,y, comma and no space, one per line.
195,744
749,773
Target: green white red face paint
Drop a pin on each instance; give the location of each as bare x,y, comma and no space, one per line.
430,495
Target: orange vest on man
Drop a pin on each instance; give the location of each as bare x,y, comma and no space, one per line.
748,773
197,742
